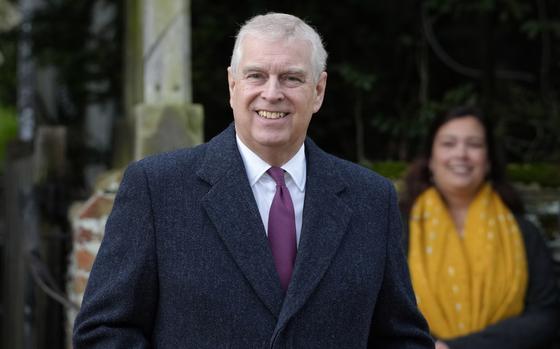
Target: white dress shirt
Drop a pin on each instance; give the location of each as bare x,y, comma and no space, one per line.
264,186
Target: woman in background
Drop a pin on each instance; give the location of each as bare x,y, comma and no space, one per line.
482,274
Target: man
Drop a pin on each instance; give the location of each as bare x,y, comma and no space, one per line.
256,239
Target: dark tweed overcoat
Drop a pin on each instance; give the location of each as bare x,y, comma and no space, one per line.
185,262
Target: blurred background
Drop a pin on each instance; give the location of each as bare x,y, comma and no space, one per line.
88,86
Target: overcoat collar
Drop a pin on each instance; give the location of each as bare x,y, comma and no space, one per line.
231,206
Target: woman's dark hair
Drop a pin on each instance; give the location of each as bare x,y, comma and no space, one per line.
419,177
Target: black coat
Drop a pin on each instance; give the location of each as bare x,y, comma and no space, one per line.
185,261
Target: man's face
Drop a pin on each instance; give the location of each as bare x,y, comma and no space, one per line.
273,95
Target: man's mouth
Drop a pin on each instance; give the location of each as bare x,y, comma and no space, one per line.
271,114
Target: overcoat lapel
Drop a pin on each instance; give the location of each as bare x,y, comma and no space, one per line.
231,206
325,221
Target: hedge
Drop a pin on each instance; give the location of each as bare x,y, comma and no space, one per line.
544,174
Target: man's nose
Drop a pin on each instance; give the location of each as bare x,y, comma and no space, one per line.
272,90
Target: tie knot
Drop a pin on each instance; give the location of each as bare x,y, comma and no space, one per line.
277,174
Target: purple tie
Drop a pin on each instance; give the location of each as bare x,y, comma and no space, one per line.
282,228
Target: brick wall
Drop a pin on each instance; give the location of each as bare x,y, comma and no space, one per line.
88,225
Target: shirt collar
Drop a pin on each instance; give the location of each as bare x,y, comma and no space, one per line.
297,168
256,167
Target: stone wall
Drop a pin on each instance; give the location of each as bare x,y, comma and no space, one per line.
543,209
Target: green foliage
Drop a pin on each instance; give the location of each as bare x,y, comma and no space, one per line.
459,7
413,130
545,174
459,95
528,128
87,59
383,68
352,75
391,169
533,28
506,8
8,131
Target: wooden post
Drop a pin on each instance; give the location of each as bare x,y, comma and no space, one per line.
21,225
26,73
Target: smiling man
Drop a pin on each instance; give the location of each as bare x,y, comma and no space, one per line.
256,239
276,83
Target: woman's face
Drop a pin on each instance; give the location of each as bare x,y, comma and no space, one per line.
459,161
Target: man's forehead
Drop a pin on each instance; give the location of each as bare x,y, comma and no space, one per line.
263,53
295,69
251,39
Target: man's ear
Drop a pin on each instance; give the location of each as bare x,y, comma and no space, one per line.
231,84
320,92
231,80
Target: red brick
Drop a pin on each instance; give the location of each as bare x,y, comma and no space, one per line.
97,206
84,259
84,235
79,284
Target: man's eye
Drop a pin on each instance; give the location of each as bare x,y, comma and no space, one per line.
254,76
293,80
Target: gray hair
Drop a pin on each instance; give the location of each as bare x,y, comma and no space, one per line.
282,26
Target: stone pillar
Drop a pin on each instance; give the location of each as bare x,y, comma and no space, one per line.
158,91
166,51
166,127
166,119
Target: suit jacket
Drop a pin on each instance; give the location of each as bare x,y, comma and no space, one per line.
185,261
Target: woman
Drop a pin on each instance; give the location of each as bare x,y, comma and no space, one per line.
481,273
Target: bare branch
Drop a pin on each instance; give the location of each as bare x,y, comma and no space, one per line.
461,68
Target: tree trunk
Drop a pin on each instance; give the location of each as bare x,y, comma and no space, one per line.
359,124
26,73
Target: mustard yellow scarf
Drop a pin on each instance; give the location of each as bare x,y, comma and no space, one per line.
463,284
